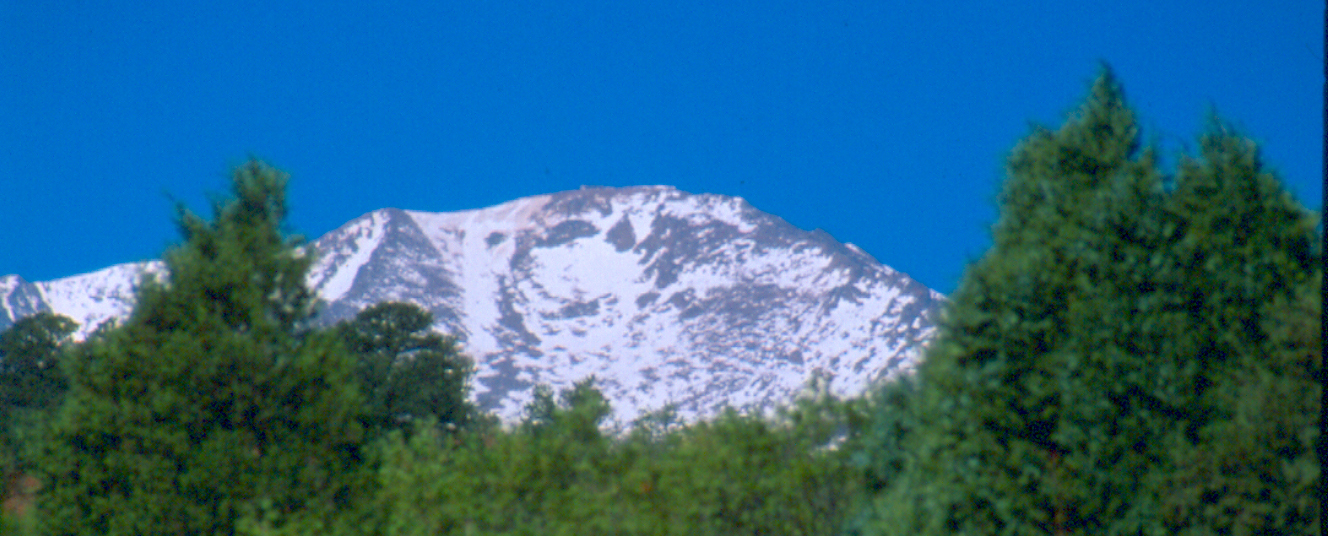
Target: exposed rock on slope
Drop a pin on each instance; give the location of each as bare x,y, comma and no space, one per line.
665,297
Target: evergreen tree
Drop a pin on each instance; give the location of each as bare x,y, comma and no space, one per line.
1096,368
1248,276
408,373
212,400
31,387
30,375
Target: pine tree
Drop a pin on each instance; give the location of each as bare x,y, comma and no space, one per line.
30,374
213,399
408,373
32,385
1095,368
1245,267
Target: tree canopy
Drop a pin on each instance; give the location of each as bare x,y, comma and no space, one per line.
30,373
408,372
1128,357
32,385
213,401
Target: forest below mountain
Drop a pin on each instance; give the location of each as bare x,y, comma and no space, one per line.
1137,353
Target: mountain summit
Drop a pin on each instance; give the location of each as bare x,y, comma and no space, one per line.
665,297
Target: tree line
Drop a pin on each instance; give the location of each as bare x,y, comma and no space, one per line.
1137,353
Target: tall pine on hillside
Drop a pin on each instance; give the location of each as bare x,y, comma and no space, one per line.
1128,358
213,399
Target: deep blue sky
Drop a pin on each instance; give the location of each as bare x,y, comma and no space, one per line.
884,123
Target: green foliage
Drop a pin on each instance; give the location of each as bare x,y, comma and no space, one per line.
30,374
32,384
216,408
547,476
407,372
212,402
743,474
557,473
18,524
1122,361
879,450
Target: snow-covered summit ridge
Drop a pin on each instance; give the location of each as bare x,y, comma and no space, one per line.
666,297
89,299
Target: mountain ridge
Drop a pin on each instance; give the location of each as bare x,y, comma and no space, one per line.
666,297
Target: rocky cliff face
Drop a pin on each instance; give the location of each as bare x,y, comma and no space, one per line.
665,297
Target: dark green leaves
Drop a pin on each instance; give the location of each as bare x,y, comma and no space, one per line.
1100,369
408,373
30,373
212,403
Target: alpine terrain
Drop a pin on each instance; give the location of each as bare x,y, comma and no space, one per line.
665,297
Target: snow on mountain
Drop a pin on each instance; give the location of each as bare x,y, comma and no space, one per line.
89,299
18,298
665,297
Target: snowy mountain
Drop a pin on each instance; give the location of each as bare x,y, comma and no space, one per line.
90,299
666,297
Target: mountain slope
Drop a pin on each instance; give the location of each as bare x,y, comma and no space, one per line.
665,297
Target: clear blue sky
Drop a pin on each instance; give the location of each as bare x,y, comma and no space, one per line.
884,123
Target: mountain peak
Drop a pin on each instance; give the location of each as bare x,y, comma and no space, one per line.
666,297
699,301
